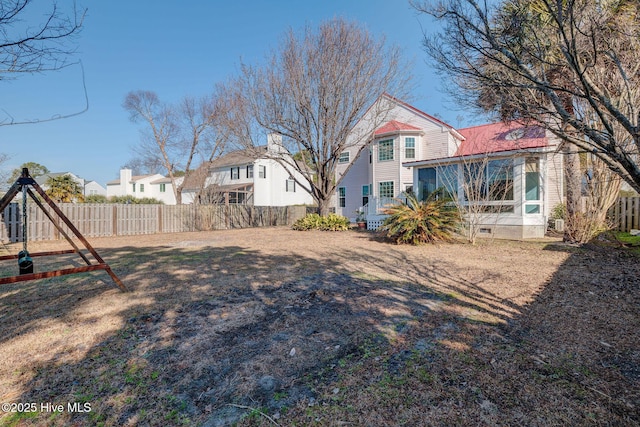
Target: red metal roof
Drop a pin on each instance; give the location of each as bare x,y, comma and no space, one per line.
496,137
395,126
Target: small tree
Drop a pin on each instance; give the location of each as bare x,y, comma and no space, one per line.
35,170
480,187
602,188
313,92
64,189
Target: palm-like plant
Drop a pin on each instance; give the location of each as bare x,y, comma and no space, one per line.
64,189
416,222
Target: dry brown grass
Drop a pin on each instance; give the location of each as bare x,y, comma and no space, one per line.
316,328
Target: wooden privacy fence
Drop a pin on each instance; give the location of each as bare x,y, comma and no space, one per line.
625,214
98,220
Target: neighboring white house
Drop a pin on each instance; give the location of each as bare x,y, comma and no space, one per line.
416,152
142,186
92,188
247,177
89,187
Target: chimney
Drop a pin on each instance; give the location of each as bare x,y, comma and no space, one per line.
274,143
125,181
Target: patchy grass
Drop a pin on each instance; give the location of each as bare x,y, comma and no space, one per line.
629,241
276,327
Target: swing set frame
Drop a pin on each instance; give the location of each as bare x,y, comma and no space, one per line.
23,183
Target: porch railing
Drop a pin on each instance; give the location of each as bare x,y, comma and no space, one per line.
377,205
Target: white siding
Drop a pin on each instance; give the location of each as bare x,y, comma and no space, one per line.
358,175
271,190
433,140
554,181
93,187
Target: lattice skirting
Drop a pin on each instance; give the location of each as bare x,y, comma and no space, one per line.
374,224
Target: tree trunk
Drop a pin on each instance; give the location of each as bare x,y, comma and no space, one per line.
324,207
573,180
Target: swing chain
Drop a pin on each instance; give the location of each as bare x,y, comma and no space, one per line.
24,218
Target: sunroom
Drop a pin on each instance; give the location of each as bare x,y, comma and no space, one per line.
502,195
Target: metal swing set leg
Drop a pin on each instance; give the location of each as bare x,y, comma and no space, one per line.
25,261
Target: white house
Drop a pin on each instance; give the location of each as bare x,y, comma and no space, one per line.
247,177
415,152
142,186
92,188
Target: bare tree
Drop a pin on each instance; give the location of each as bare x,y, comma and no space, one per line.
175,135
141,165
200,132
27,47
314,92
602,191
569,66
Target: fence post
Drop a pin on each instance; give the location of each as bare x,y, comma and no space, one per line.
114,220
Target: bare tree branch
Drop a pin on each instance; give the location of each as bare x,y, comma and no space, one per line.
570,67
175,134
314,92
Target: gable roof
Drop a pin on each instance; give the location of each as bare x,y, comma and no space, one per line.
450,128
395,126
411,107
42,179
195,179
498,137
238,157
136,178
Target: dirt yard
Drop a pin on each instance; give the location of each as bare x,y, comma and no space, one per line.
278,327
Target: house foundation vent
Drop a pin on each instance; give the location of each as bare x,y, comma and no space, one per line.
374,224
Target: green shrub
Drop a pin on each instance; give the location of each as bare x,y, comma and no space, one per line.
417,222
559,211
95,198
331,222
134,201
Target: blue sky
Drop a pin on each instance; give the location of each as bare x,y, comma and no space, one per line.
176,49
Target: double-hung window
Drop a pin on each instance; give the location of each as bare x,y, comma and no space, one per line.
235,173
344,157
342,197
262,171
290,185
410,148
249,171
